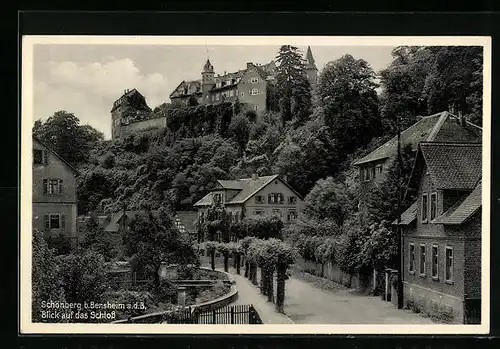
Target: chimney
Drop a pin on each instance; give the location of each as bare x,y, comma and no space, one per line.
462,119
249,64
254,176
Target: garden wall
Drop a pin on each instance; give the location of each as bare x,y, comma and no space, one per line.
332,272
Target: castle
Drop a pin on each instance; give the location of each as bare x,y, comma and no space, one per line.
130,113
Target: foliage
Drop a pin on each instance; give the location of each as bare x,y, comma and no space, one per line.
293,87
97,239
153,239
347,96
64,134
381,249
60,243
83,276
239,130
45,283
217,291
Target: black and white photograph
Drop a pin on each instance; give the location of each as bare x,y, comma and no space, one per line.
208,184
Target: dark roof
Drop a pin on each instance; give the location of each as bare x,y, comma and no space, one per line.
247,188
57,155
441,127
408,216
115,218
462,210
193,85
455,166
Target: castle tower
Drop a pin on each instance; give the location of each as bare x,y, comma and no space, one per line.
311,70
207,81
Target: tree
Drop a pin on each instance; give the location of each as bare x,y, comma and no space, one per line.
64,134
239,130
96,239
45,283
347,95
294,90
153,239
83,276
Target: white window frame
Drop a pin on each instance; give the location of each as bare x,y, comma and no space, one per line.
254,92
436,275
59,215
411,258
435,206
426,211
378,169
295,215
254,80
422,258
447,279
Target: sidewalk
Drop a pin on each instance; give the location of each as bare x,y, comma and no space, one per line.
250,294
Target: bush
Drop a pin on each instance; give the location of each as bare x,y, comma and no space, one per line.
166,292
60,243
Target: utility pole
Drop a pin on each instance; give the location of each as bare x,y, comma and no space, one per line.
398,230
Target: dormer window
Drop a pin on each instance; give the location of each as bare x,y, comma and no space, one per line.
217,198
433,206
425,207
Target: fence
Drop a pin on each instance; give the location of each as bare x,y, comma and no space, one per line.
235,314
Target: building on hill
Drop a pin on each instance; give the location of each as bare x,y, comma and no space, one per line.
131,114
440,127
54,200
266,195
248,86
441,232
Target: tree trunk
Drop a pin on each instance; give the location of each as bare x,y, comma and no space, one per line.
270,285
280,291
212,259
263,281
238,262
156,277
226,263
235,260
254,273
247,267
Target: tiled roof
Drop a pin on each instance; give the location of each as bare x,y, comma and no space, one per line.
439,127
193,87
408,216
453,165
247,187
461,211
412,135
113,224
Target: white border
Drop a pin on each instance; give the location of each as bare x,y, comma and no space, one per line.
26,184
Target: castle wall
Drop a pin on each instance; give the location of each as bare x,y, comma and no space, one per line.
144,125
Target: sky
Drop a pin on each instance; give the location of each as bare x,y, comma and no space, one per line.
86,79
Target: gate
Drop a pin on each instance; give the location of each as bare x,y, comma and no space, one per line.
232,314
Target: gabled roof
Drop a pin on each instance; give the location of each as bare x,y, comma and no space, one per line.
462,210
437,127
115,218
57,155
408,216
192,84
455,166
247,188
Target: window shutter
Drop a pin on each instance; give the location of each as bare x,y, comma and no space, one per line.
63,221
45,185
60,186
45,159
47,221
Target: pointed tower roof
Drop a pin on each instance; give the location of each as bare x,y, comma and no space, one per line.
310,59
208,67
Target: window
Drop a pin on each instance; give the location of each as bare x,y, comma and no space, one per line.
54,221
254,91
52,186
422,260
254,80
231,93
39,157
259,199
258,212
292,200
242,94
217,198
433,205
378,169
372,172
411,266
424,207
255,107
277,212
275,198
449,264
435,259
366,174
292,215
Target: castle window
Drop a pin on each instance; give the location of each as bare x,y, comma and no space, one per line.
292,215
256,107
254,91
254,80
